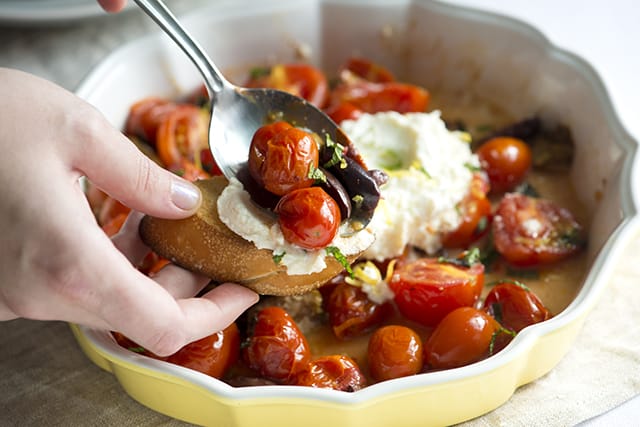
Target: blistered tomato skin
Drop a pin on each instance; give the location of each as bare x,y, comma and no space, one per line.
277,349
515,306
283,162
351,312
474,209
426,290
308,217
211,355
394,351
506,160
462,337
338,372
529,232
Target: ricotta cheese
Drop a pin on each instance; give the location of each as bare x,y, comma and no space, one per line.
429,170
245,218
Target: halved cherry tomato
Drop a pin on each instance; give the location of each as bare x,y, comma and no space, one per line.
367,70
152,264
303,80
475,210
209,164
464,336
113,225
337,372
343,111
110,209
514,306
379,97
283,162
277,349
394,351
308,217
528,231
145,117
351,312
506,160
211,355
182,135
428,289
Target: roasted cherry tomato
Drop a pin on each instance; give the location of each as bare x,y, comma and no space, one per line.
308,217
211,355
427,289
110,209
337,372
113,225
189,171
209,164
379,97
514,306
146,115
394,351
506,160
528,231
343,111
475,210
351,312
464,336
280,160
367,70
276,349
302,80
131,345
182,135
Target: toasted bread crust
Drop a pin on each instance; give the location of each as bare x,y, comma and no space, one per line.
203,244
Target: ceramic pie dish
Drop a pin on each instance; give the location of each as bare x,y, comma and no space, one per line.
428,43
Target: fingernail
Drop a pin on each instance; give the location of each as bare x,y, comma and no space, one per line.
185,195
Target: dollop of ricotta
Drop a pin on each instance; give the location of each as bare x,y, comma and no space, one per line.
238,212
429,170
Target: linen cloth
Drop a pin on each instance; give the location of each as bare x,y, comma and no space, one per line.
45,379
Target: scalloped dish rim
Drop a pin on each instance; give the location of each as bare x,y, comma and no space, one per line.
533,353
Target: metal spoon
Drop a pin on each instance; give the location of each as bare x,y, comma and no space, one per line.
236,112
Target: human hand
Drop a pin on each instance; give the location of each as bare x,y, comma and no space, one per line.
57,264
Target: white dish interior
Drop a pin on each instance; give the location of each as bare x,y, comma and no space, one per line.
427,43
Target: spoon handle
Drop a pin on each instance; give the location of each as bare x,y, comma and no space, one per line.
159,12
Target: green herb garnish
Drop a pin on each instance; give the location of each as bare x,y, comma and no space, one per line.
472,168
337,154
467,258
339,256
137,349
357,200
316,174
277,258
258,72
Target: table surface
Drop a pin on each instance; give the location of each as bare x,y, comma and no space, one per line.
46,380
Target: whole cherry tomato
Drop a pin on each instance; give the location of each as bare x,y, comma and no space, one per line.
283,162
131,345
211,355
181,135
379,97
475,210
394,351
514,306
343,111
428,289
528,231
308,217
338,372
276,349
506,160
299,79
367,70
464,336
145,117
351,312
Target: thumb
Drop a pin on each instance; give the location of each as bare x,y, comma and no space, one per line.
114,164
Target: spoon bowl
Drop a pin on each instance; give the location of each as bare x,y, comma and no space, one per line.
237,112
